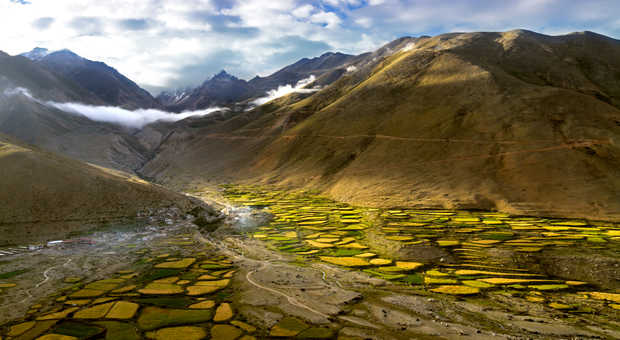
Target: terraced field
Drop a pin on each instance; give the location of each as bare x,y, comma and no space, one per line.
442,251
319,269
174,287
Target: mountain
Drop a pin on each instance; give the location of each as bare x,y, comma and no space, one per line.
36,53
46,85
517,121
35,122
174,97
101,80
302,69
225,89
221,89
45,196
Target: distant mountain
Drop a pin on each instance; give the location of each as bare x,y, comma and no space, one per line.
72,135
174,97
221,89
304,68
101,80
225,89
21,72
36,54
516,121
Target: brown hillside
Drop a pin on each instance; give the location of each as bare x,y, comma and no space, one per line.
516,121
46,196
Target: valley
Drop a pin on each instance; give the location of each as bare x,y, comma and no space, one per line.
290,264
457,186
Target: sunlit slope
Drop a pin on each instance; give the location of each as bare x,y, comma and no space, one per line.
517,121
44,195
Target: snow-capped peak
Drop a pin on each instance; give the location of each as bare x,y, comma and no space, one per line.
172,97
36,53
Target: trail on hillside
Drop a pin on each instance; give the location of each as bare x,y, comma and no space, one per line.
568,142
561,145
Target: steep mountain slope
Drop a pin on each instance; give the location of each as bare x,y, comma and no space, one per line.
304,68
518,121
221,89
72,135
169,99
103,81
225,89
47,196
21,72
36,53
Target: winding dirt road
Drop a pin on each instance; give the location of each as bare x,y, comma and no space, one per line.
46,278
270,264
289,298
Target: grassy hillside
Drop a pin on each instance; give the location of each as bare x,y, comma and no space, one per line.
515,121
46,196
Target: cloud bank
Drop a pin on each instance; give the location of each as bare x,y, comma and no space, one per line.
173,44
282,91
111,114
136,119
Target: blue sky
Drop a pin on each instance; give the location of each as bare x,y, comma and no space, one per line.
170,43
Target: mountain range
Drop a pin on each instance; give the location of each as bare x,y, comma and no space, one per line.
514,121
107,86
225,89
63,76
100,80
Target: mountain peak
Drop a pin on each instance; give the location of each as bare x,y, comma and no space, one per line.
39,53
223,75
65,53
39,50
36,53
590,34
331,54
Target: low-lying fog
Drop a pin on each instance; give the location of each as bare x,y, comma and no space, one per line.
112,114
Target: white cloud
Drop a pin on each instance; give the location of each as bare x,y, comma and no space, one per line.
410,46
343,2
303,11
17,91
330,19
173,42
136,119
364,22
111,114
282,91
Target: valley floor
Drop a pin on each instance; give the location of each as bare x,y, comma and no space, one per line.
295,265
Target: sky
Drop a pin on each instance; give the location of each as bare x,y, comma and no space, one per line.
166,44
